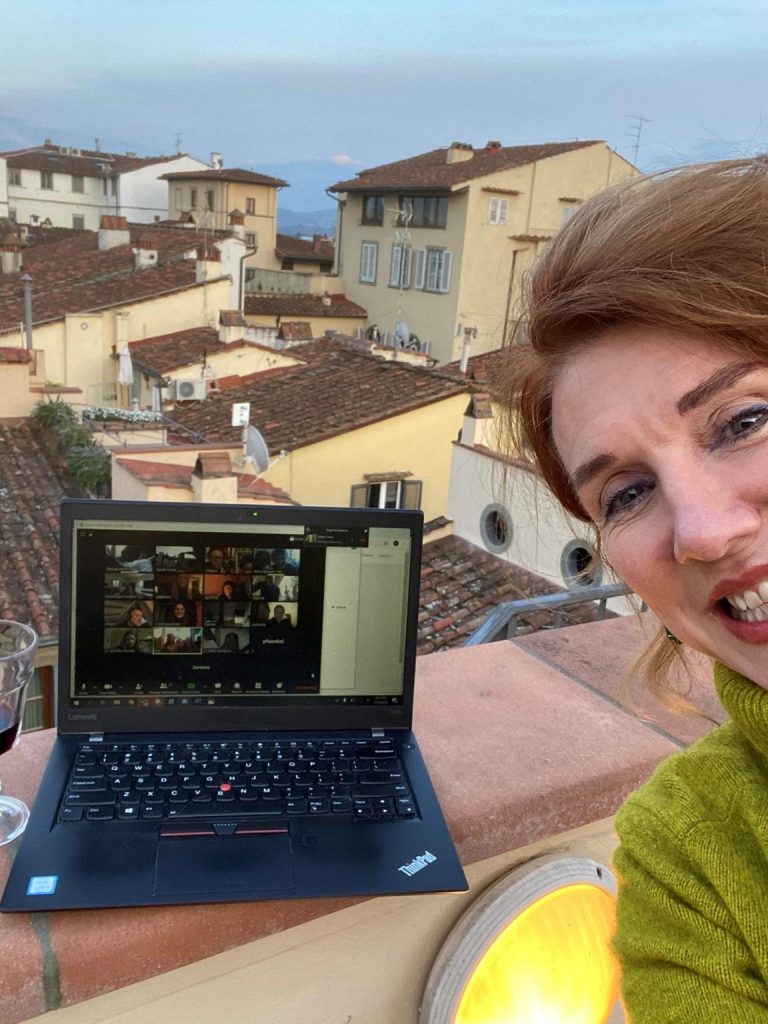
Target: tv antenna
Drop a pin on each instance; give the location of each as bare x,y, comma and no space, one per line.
636,132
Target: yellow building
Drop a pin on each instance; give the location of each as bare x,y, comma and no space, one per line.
211,196
436,246
343,428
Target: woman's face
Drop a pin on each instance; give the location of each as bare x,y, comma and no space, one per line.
227,590
665,438
179,611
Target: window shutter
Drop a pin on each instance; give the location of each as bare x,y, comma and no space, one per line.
405,275
421,262
445,272
395,266
411,494
359,496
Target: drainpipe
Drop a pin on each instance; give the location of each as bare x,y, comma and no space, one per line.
26,281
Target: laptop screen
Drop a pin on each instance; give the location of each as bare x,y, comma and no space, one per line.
171,613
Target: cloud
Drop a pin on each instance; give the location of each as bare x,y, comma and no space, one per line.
342,159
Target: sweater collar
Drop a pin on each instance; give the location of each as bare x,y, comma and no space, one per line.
746,703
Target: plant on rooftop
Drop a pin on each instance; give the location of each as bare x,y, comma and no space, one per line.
51,414
90,467
102,413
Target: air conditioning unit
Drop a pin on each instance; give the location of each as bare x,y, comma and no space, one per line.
189,389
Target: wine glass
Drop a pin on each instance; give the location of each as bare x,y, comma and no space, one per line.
18,645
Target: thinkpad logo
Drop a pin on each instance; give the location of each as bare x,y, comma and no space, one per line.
422,861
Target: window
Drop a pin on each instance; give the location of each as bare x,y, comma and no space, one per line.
373,209
78,222
105,186
400,267
580,565
12,215
387,494
78,183
14,176
210,199
250,205
423,211
113,186
369,257
566,214
496,528
250,274
250,238
46,179
433,270
193,199
177,198
497,210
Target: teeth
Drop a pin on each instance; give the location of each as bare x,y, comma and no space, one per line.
738,602
750,605
763,590
752,598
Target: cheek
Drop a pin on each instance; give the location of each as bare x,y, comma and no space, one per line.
635,555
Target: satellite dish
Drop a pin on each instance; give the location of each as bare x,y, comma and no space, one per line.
256,449
402,333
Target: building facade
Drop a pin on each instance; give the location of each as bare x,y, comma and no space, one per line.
436,246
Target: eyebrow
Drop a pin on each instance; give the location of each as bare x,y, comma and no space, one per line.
717,381
720,380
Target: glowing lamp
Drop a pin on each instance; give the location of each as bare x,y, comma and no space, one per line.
533,949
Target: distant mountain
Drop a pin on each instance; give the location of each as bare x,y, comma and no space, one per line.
317,222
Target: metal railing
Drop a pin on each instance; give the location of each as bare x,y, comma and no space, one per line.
503,624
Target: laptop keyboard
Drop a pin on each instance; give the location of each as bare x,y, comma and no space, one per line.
361,778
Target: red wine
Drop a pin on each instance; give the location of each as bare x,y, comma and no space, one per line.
9,727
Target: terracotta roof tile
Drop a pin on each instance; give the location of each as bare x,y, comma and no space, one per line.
166,352
301,306
336,389
295,330
72,275
430,170
317,248
32,484
15,355
168,474
226,174
461,585
89,163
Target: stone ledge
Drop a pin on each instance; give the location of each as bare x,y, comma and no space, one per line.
518,750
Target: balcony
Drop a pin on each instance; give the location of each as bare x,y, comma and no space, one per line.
554,753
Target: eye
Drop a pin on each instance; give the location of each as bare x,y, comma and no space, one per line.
625,499
743,423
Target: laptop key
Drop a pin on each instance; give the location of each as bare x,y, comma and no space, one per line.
91,800
100,813
71,813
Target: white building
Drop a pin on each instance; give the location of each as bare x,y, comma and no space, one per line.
72,188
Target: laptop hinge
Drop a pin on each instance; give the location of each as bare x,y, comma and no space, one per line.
377,734
96,737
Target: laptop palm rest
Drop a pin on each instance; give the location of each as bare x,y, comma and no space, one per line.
223,864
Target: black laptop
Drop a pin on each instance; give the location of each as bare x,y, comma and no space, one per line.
235,695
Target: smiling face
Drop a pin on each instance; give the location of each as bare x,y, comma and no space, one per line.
665,439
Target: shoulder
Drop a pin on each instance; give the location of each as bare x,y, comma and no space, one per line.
696,784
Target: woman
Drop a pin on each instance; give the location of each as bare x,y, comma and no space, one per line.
646,409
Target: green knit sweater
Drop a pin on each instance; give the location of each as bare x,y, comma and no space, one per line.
692,932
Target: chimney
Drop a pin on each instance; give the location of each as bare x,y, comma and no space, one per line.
113,231
208,262
10,255
458,151
214,478
145,254
326,299
237,223
231,326
493,144
216,161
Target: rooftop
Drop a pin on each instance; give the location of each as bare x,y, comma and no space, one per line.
166,352
169,474
87,162
71,275
433,170
317,248
32,484
234,174
302,306
337,389
461,584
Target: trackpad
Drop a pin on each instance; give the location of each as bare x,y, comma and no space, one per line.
223,864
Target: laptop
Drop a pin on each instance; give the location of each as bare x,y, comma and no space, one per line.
235,696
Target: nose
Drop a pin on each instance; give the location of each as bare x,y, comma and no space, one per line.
711,521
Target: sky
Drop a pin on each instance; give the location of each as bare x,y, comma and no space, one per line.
314,91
